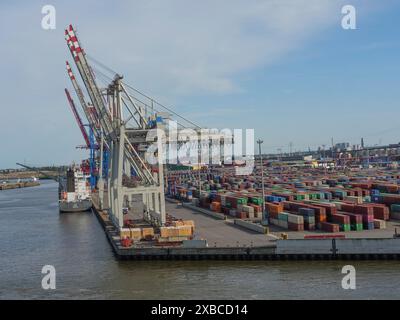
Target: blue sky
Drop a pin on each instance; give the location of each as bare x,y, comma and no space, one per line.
285,68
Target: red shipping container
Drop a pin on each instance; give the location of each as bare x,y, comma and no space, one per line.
391,199
241,215
309,226
329,209
295,226
354,218
257,208
329,227
364,209
381,211
340,218
347,207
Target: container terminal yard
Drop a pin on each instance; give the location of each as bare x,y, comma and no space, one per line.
341,203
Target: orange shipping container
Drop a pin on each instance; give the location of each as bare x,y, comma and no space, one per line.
177,223
124,233
184,231
147,232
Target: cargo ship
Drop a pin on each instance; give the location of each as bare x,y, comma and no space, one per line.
74,191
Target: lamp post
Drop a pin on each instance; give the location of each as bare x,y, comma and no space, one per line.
259,141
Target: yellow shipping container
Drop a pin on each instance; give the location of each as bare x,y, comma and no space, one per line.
174,232
124,233
136,233
184,231
165,232
170,231
147,232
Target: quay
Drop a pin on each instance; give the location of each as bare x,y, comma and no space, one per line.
227,241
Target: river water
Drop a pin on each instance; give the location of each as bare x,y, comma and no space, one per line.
34,234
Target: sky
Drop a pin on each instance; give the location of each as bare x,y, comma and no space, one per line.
285,68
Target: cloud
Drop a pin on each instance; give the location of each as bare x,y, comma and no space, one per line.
170,49
201,47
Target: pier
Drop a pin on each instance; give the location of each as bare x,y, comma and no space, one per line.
226,241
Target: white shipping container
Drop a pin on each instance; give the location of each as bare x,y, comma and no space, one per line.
247,209
295,219
379,224
357,200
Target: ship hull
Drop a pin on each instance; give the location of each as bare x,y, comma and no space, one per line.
75,206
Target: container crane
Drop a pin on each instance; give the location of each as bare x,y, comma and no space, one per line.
123,155
125,131
78,119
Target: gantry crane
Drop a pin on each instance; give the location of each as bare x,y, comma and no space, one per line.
78,118
123,127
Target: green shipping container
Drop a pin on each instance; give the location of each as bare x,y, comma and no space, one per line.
257,201
395,207
357,227
345,227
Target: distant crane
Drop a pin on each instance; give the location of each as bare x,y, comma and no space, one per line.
46,176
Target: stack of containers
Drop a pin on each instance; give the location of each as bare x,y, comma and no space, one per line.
273,209
283,220
215,206
380,211
295,222
379,224
386,198
320,212
367,214
354,199
246,209
308,215
329,227
356,221
257,210
342,220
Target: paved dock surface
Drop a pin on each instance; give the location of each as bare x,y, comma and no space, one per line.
365,234
222,233
218,232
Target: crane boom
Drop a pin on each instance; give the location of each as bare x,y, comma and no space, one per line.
90,115
38,171
78,118
89,81
109,127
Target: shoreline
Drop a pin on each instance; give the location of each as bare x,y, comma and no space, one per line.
17,185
